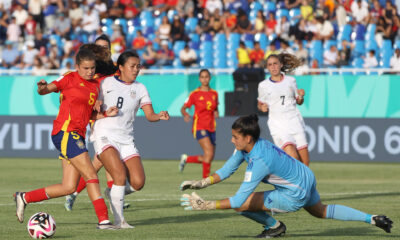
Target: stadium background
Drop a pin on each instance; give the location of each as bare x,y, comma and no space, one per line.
348,118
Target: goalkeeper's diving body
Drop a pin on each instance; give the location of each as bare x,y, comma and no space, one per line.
294,182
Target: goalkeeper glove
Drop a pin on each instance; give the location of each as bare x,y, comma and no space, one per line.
197,184
195,202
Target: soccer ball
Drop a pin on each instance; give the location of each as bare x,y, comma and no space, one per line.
41,225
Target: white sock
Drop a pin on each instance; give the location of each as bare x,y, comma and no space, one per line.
128,188
117,203
75,194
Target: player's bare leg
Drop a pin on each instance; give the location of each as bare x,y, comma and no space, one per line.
137,177
304,156
291,150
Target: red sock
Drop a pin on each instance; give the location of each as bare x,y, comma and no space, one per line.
206,169
37,195
110,183
81,185
192,159
101,209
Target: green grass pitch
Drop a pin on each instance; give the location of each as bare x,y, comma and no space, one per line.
156,214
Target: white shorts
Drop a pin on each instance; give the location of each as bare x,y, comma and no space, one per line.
126,151
288,132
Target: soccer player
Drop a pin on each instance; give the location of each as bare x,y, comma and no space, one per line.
205,101
105,42
294,182
79,92
114,137
278,95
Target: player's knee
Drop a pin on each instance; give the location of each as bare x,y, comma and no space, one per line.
69,189
138,184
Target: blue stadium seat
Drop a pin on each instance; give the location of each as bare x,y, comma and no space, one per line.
370,34
171,13
386,53
262,39
282,12
269,7
146,19
294,16
178,46
194,37
194,45
233,41
249,44
252,16
232,60
358,62
344,33
256,6
108,22
157,22
360,31
190,25
220,41
328,44
397,44
206,37
147,31
359,48
316,51
123,23
177,63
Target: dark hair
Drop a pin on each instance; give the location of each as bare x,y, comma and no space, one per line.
84,54
123,58
105,38
102,56
205,70
248,125
289,61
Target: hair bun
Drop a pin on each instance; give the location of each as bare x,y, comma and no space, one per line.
253,117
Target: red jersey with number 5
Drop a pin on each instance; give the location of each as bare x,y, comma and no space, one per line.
77,98
205,104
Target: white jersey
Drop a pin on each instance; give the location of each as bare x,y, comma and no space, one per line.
284,119
128,98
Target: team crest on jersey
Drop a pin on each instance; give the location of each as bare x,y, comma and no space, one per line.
133,94
81,84
80,144
201,98
203,132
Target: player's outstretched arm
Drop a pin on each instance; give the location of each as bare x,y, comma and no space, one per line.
195,202
300,97
199,184
151,116
111,112
45,88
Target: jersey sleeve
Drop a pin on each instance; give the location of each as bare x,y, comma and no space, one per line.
144,97
62,82
231,165
189,101
254,174
262,94
294,87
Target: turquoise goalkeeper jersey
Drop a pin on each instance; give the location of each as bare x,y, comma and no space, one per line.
269,164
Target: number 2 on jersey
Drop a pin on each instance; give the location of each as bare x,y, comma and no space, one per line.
283,100
209,104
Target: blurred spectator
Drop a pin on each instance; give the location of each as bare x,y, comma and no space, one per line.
75,14
67,67
314,65
118,43
115,11
20,15
40,41
116,50
370,60
229,21
62,26
164,30
331,57
38,67
270,24
383,31
271,50
389,12
257,56
376,11
30,28
282,28
90,22
187,56
214,5
340,14
306,10
289,4
235,5
149,56
259,25
13,31
303,69
243,23
325,29
101,8
204,22
285,48
35,9
10,55
216,23
242,54
28,55
184,7
49,13
3,26
139,42
394,61
301,52
345,53
165,56
359,10
103,40
130,10
177,30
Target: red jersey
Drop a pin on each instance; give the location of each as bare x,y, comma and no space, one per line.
78,97
205,104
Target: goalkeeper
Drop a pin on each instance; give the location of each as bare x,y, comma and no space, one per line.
294,182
